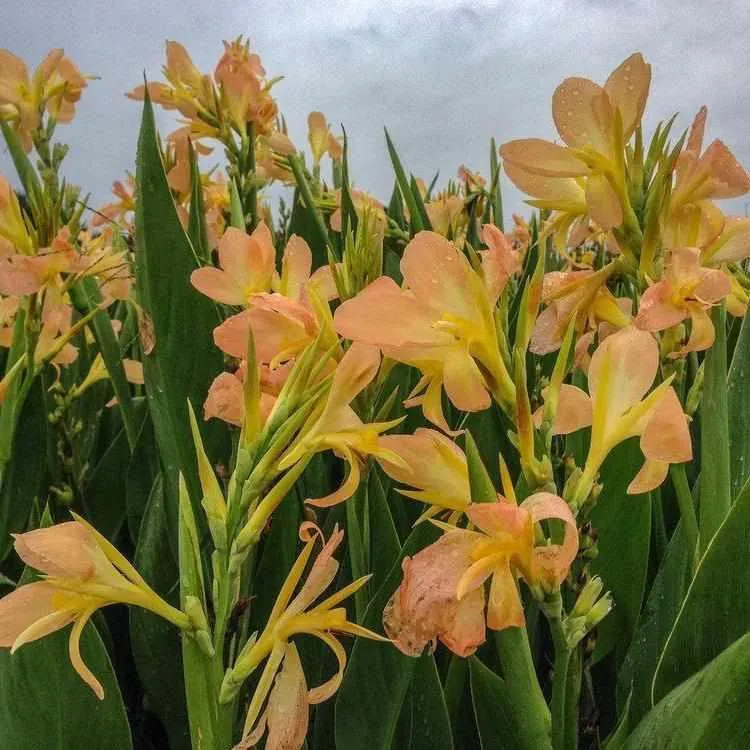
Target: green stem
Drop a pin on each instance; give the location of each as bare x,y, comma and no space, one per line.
307,198
573,698
687,509
559,684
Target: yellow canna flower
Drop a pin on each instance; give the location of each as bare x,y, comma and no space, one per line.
335,426
286,713
82,572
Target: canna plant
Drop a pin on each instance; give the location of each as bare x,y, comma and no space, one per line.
208,413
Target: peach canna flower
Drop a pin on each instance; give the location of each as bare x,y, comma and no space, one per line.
335,426
443,324
433,465
320,137
579,295
287,699
693,218
225,399
56,87
82,572
686,291
585,177
442,593
621,371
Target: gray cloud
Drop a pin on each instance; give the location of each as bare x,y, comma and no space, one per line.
444,75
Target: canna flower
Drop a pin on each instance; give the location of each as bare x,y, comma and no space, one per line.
686,290
693,219
188,90
443,324
621,371
368,209
56,87
321,138
579,295
247,267
287,698
120,210
82,572
446,215
431,463
585,178
336,426
226,400
285,322
442,593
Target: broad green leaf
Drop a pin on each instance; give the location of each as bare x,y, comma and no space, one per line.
716,609
738,386
384,543
45,704
105,492
377,678
139,481
715,492
707,711
155,642
497,719
623,525
23,477
430,725
654,626
416,213
182,359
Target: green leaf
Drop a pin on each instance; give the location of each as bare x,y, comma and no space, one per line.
155,642
26,174
430,725
183,360
654,626
715,490
623,525
707,711
85,296
496,715
482,489
378,676
45,704
738,386
23,477
196,229
139,481
716,609
316,231
415,214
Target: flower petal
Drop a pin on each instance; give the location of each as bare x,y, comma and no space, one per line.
666,436
65,550
288,709
27,605
504,608
583,114
425,606
627,88
543,158
218,285
603,203
650,476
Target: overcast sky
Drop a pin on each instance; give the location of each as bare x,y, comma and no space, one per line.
443,75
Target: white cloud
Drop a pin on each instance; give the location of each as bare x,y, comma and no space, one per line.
444,75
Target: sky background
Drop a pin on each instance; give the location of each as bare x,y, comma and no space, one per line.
443,75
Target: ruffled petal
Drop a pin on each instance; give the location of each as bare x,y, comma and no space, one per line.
425,605
288,712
